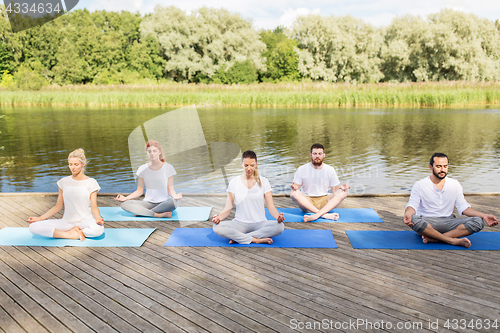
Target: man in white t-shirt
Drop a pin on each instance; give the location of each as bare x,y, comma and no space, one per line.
429,210
315,179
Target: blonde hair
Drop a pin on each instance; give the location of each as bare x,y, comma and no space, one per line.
79,154
252,155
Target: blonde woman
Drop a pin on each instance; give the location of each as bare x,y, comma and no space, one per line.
157,177
78,195
249,191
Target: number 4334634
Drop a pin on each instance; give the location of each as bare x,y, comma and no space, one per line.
40,8
454,324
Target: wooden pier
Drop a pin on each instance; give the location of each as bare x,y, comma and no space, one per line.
190,289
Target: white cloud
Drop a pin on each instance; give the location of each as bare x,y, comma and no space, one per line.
291,15
269,14
113,5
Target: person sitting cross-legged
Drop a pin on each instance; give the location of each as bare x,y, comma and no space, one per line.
429,210
315,179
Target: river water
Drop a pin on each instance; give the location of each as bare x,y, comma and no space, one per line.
374,150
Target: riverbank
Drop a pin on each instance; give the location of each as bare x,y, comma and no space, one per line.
424,94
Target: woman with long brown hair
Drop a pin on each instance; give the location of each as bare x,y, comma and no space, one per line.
249,191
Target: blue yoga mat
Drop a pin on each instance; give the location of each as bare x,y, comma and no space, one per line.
346,215
180,214
410,240
289,238
110,238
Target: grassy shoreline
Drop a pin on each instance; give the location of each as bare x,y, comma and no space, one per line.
427,94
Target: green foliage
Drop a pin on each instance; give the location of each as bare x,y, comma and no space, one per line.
29,77
316,94
145,55
240,72
197,45
2,116
7,80
450,45
337,49
281,59
214,45
6,57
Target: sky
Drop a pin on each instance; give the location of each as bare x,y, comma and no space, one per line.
266,14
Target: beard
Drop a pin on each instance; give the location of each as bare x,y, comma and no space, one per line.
317,162
441,175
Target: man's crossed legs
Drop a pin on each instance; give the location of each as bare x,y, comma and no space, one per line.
447,229
320,206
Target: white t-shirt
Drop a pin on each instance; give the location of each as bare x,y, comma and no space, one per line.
76,195
428,200
249,202
316,182
156,182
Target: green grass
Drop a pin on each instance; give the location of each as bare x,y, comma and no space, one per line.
433,94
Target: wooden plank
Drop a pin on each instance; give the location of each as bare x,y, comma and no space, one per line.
191,280
185,303
17,312
75,291
150,308
39,304
273,292
8,324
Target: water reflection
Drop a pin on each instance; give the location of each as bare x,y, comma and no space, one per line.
375,150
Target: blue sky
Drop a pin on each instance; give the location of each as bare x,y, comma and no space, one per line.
268,14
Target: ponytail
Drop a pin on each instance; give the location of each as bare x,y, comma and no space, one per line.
252,155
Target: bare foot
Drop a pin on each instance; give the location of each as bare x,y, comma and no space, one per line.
461,242
309,218
426,239
165,214
331,216
76,233
232,241
262,240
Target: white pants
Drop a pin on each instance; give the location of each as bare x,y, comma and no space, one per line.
243,232
46,228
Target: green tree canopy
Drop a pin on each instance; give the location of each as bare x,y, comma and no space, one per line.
337,49
450,45
200,43
281,58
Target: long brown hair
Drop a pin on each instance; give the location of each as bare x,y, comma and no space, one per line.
153,143
251,154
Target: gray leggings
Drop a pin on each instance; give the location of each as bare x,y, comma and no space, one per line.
145,208
243,232
447,223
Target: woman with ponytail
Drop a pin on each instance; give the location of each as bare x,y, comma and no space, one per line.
249,191
157,177
78,195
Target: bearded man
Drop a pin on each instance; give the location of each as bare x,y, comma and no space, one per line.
315,179
429,210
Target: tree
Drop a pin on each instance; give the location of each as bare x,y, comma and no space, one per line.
281,59
144,57
197,45
29,77
70,68
337,49
450,45
240,72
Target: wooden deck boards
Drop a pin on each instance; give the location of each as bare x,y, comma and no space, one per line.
159,289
